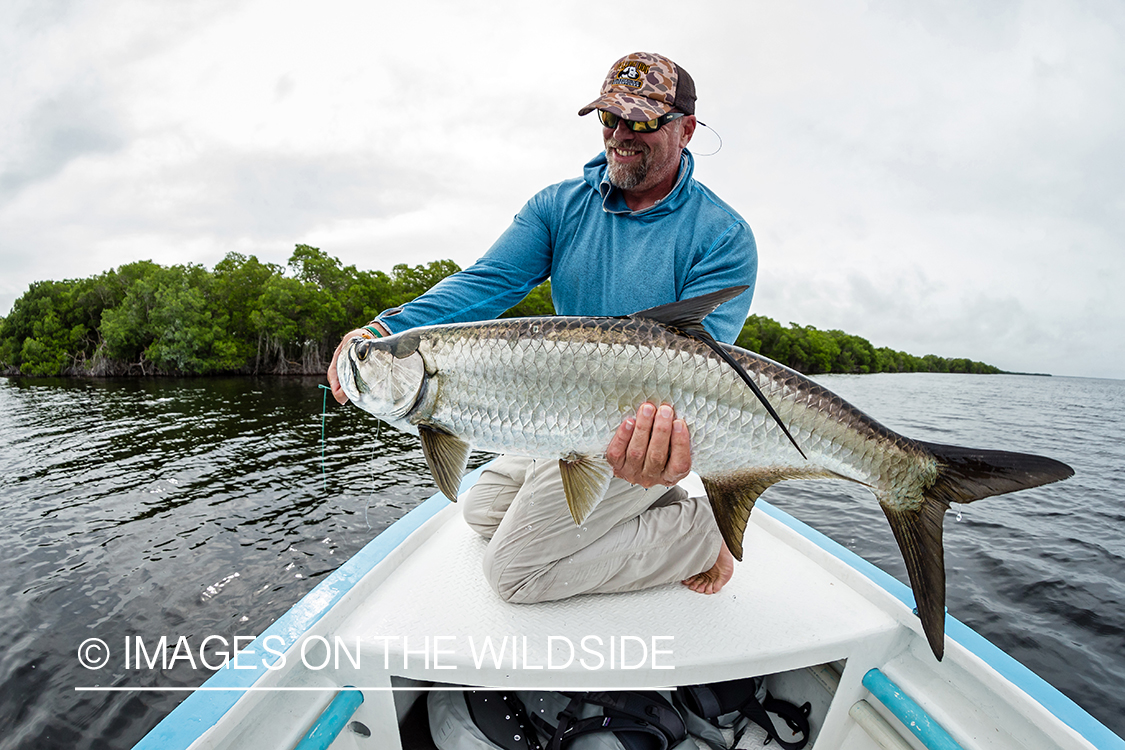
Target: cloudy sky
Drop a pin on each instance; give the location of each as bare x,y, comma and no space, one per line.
937,177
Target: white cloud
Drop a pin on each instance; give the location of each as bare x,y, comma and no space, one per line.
935,178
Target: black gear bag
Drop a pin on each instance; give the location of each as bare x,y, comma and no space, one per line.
639,720
541,720
733,705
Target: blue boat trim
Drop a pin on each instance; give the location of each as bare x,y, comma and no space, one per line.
913,716
324,730
202,710
1041,691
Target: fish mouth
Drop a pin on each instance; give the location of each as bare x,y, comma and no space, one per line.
359,385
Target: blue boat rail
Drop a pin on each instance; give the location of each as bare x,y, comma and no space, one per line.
332,720
913,717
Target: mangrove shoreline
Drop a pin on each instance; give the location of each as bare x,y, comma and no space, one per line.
245,317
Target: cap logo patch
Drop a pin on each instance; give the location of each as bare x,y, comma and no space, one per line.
630,74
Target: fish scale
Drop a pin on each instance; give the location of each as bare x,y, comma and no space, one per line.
576,409
560,387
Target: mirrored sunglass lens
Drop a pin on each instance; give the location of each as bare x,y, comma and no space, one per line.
608,119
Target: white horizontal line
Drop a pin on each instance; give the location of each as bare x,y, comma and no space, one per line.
383,688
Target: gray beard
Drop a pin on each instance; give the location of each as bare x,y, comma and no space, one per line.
626,178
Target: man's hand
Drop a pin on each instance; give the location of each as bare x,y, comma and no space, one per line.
652,448
333,379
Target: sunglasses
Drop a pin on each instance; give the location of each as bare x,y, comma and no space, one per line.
610,121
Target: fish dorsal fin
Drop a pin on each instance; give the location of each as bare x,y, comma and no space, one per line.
585,480
732,499
446,456
686,316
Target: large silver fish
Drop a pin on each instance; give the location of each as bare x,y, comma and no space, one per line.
558,387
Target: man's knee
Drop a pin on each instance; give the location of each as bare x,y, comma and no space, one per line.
476,508
521,591
495,572
485,504
512,582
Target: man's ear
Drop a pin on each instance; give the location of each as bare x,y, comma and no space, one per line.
687,129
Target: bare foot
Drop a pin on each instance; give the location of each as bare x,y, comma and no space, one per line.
712,581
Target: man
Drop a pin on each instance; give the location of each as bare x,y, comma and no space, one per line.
634,232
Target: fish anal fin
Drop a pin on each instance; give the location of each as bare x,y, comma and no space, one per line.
732,498
918,531
447,456
585,480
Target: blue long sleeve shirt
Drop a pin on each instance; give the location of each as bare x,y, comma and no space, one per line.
602,258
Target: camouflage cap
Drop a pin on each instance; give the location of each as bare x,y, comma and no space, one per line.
644,86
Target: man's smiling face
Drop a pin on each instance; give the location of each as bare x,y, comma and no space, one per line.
641,161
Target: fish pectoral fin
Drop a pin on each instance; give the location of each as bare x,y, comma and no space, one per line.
918,533
447,456
732,499
585,480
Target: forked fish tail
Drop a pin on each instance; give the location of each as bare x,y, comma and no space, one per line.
964,475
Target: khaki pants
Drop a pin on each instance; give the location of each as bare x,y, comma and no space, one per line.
633,539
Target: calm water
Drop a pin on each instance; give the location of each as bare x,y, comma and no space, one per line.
200,507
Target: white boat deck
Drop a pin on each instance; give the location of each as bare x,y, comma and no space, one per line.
412,612
754,626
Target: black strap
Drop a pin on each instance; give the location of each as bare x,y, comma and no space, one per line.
624,728
795,718
641,721
701,700
646,706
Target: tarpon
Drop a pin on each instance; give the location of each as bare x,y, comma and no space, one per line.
559,387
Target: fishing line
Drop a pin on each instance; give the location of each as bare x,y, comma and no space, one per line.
323,443
371,464
720,148
323,451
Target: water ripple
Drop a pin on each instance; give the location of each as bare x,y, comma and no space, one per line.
197,507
